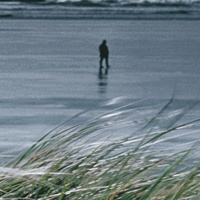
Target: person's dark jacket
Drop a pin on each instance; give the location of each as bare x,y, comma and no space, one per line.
103,49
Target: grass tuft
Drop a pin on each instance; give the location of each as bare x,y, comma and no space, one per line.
128,153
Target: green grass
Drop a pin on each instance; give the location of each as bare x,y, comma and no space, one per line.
121,154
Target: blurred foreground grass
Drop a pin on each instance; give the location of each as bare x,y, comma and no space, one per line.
127,153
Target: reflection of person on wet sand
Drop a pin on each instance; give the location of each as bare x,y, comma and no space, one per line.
104,52
102,83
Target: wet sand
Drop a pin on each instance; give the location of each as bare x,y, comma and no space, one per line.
49,70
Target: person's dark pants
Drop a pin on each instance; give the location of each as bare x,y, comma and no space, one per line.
101,61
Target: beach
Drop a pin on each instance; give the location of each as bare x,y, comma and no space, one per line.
49,72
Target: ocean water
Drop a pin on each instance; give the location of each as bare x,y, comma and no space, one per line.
49,73
101,9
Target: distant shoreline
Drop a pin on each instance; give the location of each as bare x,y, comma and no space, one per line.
139,18
100,13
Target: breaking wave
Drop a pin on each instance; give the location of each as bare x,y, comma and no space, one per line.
101,9
111,3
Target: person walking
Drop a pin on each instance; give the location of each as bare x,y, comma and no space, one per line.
104,53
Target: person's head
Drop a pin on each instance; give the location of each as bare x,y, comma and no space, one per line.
104,41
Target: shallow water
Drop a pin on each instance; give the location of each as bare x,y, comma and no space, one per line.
49,72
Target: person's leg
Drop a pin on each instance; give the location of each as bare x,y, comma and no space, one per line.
107,65
101,61
106,71
100,65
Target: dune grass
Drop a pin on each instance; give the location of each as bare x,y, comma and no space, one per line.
125,153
